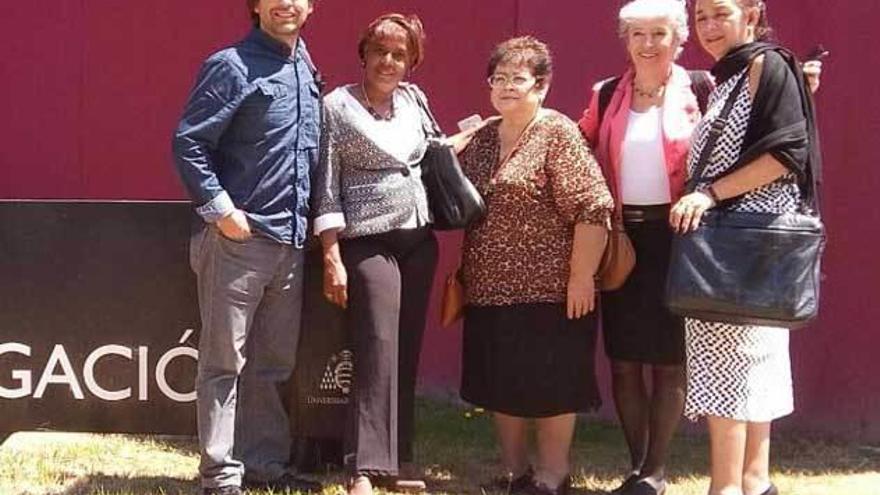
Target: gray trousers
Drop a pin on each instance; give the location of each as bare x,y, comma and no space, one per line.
250,300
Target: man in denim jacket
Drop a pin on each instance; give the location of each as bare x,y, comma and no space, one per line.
244,149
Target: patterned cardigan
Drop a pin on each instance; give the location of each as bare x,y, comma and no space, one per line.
368,178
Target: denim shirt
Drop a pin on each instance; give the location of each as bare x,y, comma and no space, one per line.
248,138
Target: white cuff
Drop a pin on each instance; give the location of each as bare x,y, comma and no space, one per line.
217,208
329,221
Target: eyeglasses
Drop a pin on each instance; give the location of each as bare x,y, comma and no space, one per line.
502,80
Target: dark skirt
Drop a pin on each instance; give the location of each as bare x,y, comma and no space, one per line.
529,360
636,325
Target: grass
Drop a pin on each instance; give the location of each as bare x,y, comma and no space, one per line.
455,448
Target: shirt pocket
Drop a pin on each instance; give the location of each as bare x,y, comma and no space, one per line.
275,97
310,122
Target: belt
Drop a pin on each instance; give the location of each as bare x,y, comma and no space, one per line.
647,213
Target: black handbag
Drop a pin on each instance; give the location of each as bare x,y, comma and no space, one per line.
747,268
452,198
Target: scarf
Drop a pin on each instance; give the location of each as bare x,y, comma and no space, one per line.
782,121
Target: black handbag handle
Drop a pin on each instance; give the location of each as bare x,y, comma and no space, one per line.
435,131
715,132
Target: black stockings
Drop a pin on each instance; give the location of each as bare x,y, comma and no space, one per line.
649,420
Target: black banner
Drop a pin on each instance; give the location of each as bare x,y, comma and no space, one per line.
98,317
99,324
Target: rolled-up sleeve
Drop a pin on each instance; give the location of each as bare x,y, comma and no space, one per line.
579,191
213,102
327,196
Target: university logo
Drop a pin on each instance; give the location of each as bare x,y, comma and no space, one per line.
338,373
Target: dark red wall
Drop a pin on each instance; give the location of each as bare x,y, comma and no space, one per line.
91,91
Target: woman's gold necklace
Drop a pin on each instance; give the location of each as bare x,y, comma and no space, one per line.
370,108
654,93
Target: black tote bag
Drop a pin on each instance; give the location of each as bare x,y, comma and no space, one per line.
747,268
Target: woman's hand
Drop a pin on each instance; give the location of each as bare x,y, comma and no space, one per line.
685,216
461,140
335,276
581,299
586,252
335,282
813,71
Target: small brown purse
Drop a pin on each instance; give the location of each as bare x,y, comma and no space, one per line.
452,302
618,260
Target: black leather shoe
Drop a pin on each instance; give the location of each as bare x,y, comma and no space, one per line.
286,482
223,490
509,484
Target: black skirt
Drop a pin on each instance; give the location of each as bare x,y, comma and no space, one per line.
636,325
529,360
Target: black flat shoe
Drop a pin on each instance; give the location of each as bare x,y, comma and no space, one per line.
627,483
771,491
223,490
509,484
646,486
541,489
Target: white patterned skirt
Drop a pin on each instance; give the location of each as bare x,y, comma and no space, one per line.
737,372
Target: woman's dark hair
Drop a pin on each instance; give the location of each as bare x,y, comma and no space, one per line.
763,31
524,50
255,18
389,25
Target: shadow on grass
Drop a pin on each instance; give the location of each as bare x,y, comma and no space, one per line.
459,445
138,485
457,451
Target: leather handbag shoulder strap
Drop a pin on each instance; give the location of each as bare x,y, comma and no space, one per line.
434,130
715,132
605,94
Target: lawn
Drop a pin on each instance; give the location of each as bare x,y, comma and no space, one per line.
455,449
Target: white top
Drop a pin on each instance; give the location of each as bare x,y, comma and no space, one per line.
643,176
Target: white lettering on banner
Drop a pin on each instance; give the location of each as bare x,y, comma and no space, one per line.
23,376
51,375
143,373
163,363
89,373
68,377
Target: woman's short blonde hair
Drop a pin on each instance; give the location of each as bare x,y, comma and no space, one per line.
673,10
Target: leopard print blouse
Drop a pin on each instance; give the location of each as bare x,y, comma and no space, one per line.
520,252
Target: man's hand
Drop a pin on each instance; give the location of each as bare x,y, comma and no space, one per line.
235,226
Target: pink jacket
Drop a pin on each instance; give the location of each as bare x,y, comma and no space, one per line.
680,116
